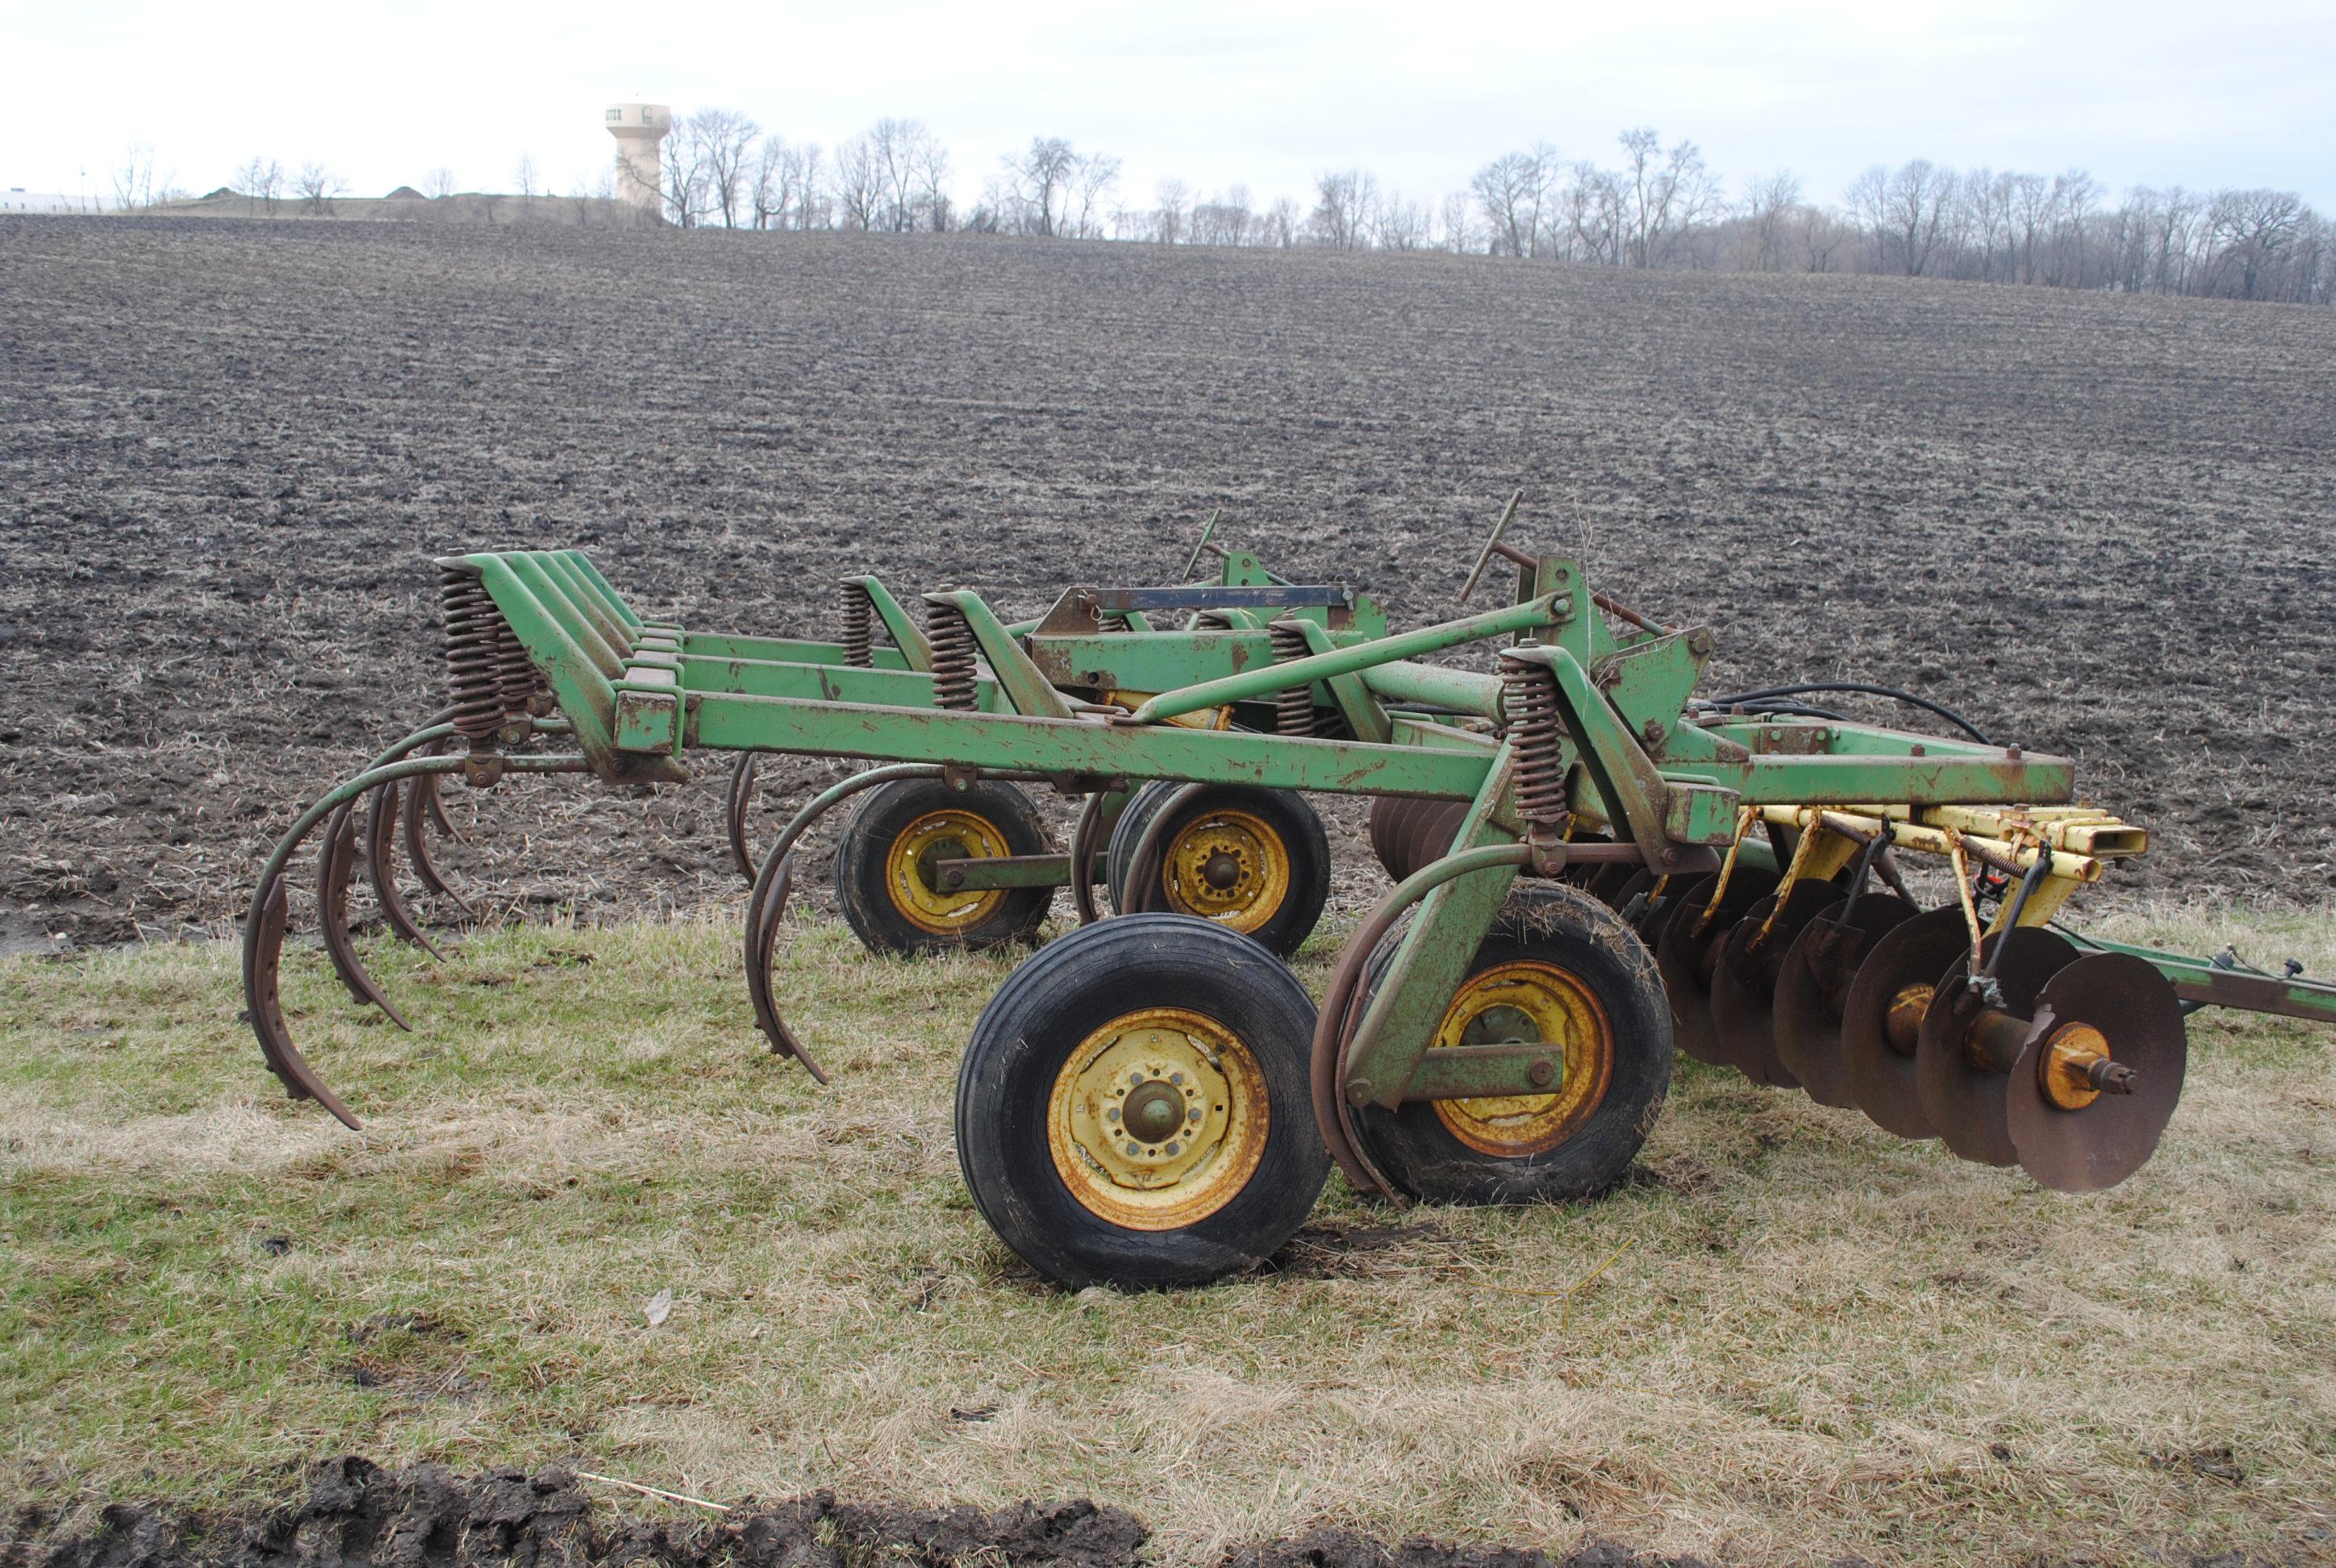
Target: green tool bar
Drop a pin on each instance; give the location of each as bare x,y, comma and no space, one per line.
1433,686
781,649
1001,741
2197,980
1253,683
824,683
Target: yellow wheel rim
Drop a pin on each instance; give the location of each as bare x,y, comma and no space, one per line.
913,884
1157,1120
1227,866
1529,1000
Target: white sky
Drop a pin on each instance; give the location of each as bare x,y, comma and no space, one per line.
2200,92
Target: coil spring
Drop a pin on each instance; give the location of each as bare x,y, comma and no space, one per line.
951,637
1293,706
858,625
515,676
1537,739
474,629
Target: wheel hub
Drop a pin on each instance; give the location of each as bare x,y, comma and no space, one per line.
1228,866
1158,1119
1532,1003
912,881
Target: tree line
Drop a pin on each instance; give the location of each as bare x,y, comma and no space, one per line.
1655,205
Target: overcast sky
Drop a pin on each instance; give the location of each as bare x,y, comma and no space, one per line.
2203,92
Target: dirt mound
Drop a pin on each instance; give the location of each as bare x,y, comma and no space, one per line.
360,1515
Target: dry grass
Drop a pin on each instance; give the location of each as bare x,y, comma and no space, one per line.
1817,1339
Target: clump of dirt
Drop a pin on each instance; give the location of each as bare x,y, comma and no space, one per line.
358,1514
1329,1548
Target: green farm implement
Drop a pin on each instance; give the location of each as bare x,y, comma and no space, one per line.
1591,867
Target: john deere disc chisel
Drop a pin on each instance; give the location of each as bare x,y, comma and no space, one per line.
1591,867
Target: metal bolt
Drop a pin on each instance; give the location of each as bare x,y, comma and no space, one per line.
1542,1072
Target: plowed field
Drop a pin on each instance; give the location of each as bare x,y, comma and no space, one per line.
2098,525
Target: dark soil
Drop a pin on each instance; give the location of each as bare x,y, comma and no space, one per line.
359,1515
2100,525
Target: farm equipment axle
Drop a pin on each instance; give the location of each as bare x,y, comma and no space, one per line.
1480,1039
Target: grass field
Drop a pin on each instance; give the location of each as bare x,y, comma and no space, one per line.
1791,1338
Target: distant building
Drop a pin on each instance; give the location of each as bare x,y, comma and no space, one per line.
638,128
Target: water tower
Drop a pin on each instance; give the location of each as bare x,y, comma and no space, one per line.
638,128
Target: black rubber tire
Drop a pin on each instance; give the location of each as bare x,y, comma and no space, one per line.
1565,927
1291,819
1050,1004
883,814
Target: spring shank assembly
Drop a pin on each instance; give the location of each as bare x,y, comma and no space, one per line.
475,660
1293,706
1537,739
954,677
859,626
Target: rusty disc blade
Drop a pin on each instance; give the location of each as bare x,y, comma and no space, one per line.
1966,1099
1689,946
1743,981
1878,1075
1408,833
1813,985
2099,1145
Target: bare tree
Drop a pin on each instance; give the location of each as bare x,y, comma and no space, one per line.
1170,197
1398,224
766,183
525,176
1768,198
317,186
133,176
803,197
1663,190
681,171
1510,193
1819,236
1041,180
927,161
2254,230
1279,228
1225,219
262,179
439,183
1093,181
1343,204
859,184
1458,225
722,144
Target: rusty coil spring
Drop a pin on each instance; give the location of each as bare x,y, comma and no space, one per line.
951,637
1537,739
1293,706
1212,620
858,625
474,629
515,676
